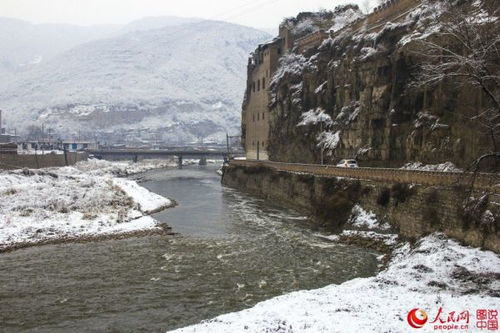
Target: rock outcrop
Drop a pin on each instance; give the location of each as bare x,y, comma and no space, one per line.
355,96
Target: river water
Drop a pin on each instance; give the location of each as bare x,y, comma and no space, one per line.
231,252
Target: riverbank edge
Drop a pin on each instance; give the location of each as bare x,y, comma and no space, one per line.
412,211
161,228
88,239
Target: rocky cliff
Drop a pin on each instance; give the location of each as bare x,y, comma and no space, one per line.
355,96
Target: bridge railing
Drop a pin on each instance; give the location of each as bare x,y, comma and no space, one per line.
483,181
160,152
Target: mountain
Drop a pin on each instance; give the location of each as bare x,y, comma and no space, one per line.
24,45
176,83
271,31
157,22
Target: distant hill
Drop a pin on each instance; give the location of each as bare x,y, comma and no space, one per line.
157,22
177,83
24,45
272,31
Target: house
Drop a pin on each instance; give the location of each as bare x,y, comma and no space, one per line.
72,145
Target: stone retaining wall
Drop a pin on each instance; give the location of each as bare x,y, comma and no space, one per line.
9,161
482,181
310,41
413,210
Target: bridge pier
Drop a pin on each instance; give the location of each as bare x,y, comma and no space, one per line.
203,161
179,161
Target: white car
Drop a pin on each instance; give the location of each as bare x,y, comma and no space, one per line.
347,164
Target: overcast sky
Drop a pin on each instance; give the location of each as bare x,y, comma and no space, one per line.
257,13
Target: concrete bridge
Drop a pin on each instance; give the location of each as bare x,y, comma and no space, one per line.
139,154
480,181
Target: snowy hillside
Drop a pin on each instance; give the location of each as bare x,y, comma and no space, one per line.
24,45
156,22
184,82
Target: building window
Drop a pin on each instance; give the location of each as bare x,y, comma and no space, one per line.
263,116
258,85
264,83
279,50
258,116
253,85
263,144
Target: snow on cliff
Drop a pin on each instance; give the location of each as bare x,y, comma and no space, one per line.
309,22
344,16
444,167
315,116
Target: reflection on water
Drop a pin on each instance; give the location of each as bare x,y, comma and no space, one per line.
232,252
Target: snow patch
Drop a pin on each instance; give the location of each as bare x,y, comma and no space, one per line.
147,202
344,18
328,139
67,203
443,167
360,218
315,116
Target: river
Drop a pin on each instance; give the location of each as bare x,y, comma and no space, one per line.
231,251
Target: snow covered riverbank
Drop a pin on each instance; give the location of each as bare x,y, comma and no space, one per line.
436,273
71,203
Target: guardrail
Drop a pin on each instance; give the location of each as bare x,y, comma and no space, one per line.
159,152
483,181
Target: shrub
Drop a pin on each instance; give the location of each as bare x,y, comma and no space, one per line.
400,192
384,197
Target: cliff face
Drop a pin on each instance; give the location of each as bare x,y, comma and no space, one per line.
354,96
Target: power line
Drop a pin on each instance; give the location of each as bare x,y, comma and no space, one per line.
251,2
256,6
220,16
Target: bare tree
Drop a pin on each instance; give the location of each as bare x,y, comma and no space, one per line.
466,51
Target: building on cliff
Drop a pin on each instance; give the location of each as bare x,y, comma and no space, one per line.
262,64
360,74
299,35
255,126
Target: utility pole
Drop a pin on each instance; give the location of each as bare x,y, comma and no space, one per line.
322,160
228,144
